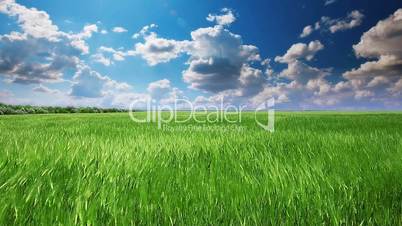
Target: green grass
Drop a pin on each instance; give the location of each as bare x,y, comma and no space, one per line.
315,169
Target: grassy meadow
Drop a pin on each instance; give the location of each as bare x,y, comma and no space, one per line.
317,168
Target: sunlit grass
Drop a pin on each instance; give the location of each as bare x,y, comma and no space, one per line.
316,168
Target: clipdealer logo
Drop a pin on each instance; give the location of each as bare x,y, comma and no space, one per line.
200,114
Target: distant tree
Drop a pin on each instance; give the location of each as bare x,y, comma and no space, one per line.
28,109
19,112
40,110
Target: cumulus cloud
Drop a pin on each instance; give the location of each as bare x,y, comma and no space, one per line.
117,54
100,58
159,89
396,89
37,24
78,40
163,92
90,84
280,92
307,30
219,61
360,94
157,50
112,55
40,52
33,22
35,60
382,39
268,68
352,20
304,85
226,18
301,51
301,72
86,32
382,43
119,30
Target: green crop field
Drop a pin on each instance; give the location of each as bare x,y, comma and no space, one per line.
104,169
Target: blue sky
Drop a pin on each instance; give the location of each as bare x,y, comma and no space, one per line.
306,54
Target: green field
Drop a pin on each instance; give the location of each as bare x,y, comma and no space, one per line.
104,169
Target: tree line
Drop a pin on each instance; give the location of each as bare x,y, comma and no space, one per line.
6,109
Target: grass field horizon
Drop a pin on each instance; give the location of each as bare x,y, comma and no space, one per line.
96,169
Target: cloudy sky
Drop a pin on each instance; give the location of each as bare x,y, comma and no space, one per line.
329,54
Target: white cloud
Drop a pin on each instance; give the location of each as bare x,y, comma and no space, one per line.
219,61
78,40
90,84
306,86
112,55
144,31
35,60
300,51
119,30
43,89
382,39
220,64
226,18
268,68
278,91
382,43
157,50
37,24
86,32
329,2
342,86
117,54
307,30
378,81
100,58
301,72
159,89
396,89
360,94
32,21
352,20
320,86
40,52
